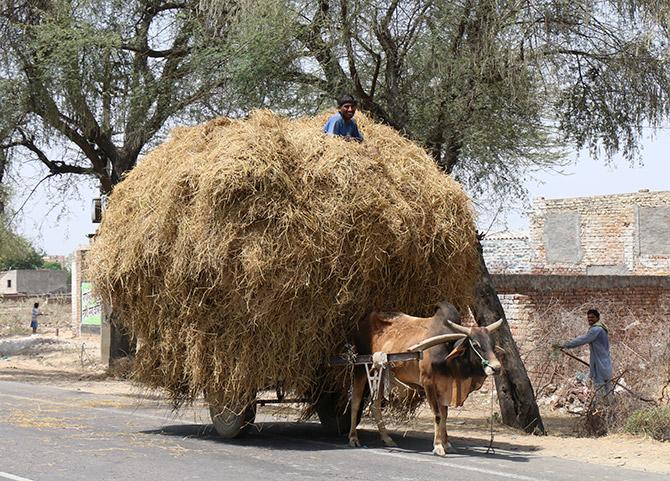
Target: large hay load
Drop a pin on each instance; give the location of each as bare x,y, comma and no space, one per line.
242,253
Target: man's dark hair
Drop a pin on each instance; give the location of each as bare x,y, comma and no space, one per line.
346,99
37,304
594,312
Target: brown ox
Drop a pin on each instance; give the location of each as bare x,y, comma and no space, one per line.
456,361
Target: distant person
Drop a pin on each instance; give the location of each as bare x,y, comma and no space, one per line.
33,319
600,363
342,123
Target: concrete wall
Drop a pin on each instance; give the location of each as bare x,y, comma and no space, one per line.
8,282
34,281
42,281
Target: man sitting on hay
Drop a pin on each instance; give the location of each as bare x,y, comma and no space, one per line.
342,123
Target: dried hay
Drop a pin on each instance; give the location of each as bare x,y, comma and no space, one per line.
241,253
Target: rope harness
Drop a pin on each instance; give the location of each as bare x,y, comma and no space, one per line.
378,375
485,363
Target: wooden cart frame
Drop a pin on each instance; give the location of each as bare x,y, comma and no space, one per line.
229,423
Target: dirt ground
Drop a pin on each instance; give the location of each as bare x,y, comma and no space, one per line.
74,363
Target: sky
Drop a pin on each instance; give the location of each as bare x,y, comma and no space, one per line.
58,227
586,177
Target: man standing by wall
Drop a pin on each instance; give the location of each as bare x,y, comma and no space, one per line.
600,362
342,123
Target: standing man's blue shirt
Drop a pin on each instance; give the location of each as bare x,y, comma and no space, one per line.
600,362
336,125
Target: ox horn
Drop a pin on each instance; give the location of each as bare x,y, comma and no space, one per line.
458,328
434,341
494,326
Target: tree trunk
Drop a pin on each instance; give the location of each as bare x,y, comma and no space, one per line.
3,192
518,406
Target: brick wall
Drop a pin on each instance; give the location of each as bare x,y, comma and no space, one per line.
79,275
625,306
610,234
608,252
507,252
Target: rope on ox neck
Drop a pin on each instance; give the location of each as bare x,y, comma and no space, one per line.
485,363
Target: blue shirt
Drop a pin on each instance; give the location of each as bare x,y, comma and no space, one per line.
600,363
336,125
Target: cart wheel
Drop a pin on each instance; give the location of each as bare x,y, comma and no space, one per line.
229,423
332,419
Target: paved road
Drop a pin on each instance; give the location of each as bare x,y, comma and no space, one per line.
52,434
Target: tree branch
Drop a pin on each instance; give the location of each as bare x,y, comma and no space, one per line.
155,8
311,36
351,60
146,51
25,201
56,167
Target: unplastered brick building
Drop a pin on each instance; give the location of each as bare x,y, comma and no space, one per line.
627,234
611,252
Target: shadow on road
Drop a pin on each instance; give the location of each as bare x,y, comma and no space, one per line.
306,436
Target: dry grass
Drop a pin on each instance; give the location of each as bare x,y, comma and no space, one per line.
242,253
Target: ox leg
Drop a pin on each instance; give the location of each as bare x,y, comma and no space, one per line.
377,409
440,441
444,413
357,390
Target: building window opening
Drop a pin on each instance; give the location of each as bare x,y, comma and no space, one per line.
9,283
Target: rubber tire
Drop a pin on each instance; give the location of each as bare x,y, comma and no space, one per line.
332,421
228,424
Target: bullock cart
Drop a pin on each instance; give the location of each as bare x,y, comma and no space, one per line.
231,422
241,253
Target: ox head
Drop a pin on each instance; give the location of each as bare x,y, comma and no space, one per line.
477,345
473,345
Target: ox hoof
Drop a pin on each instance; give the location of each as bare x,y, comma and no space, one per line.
439,450
354,443
389,442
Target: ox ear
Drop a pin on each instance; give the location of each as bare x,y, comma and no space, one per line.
459,348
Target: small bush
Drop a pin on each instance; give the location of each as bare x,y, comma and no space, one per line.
654,422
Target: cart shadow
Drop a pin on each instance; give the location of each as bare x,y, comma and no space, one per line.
310,436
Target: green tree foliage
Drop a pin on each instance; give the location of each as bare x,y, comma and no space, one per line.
54,266
16,252
86,85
